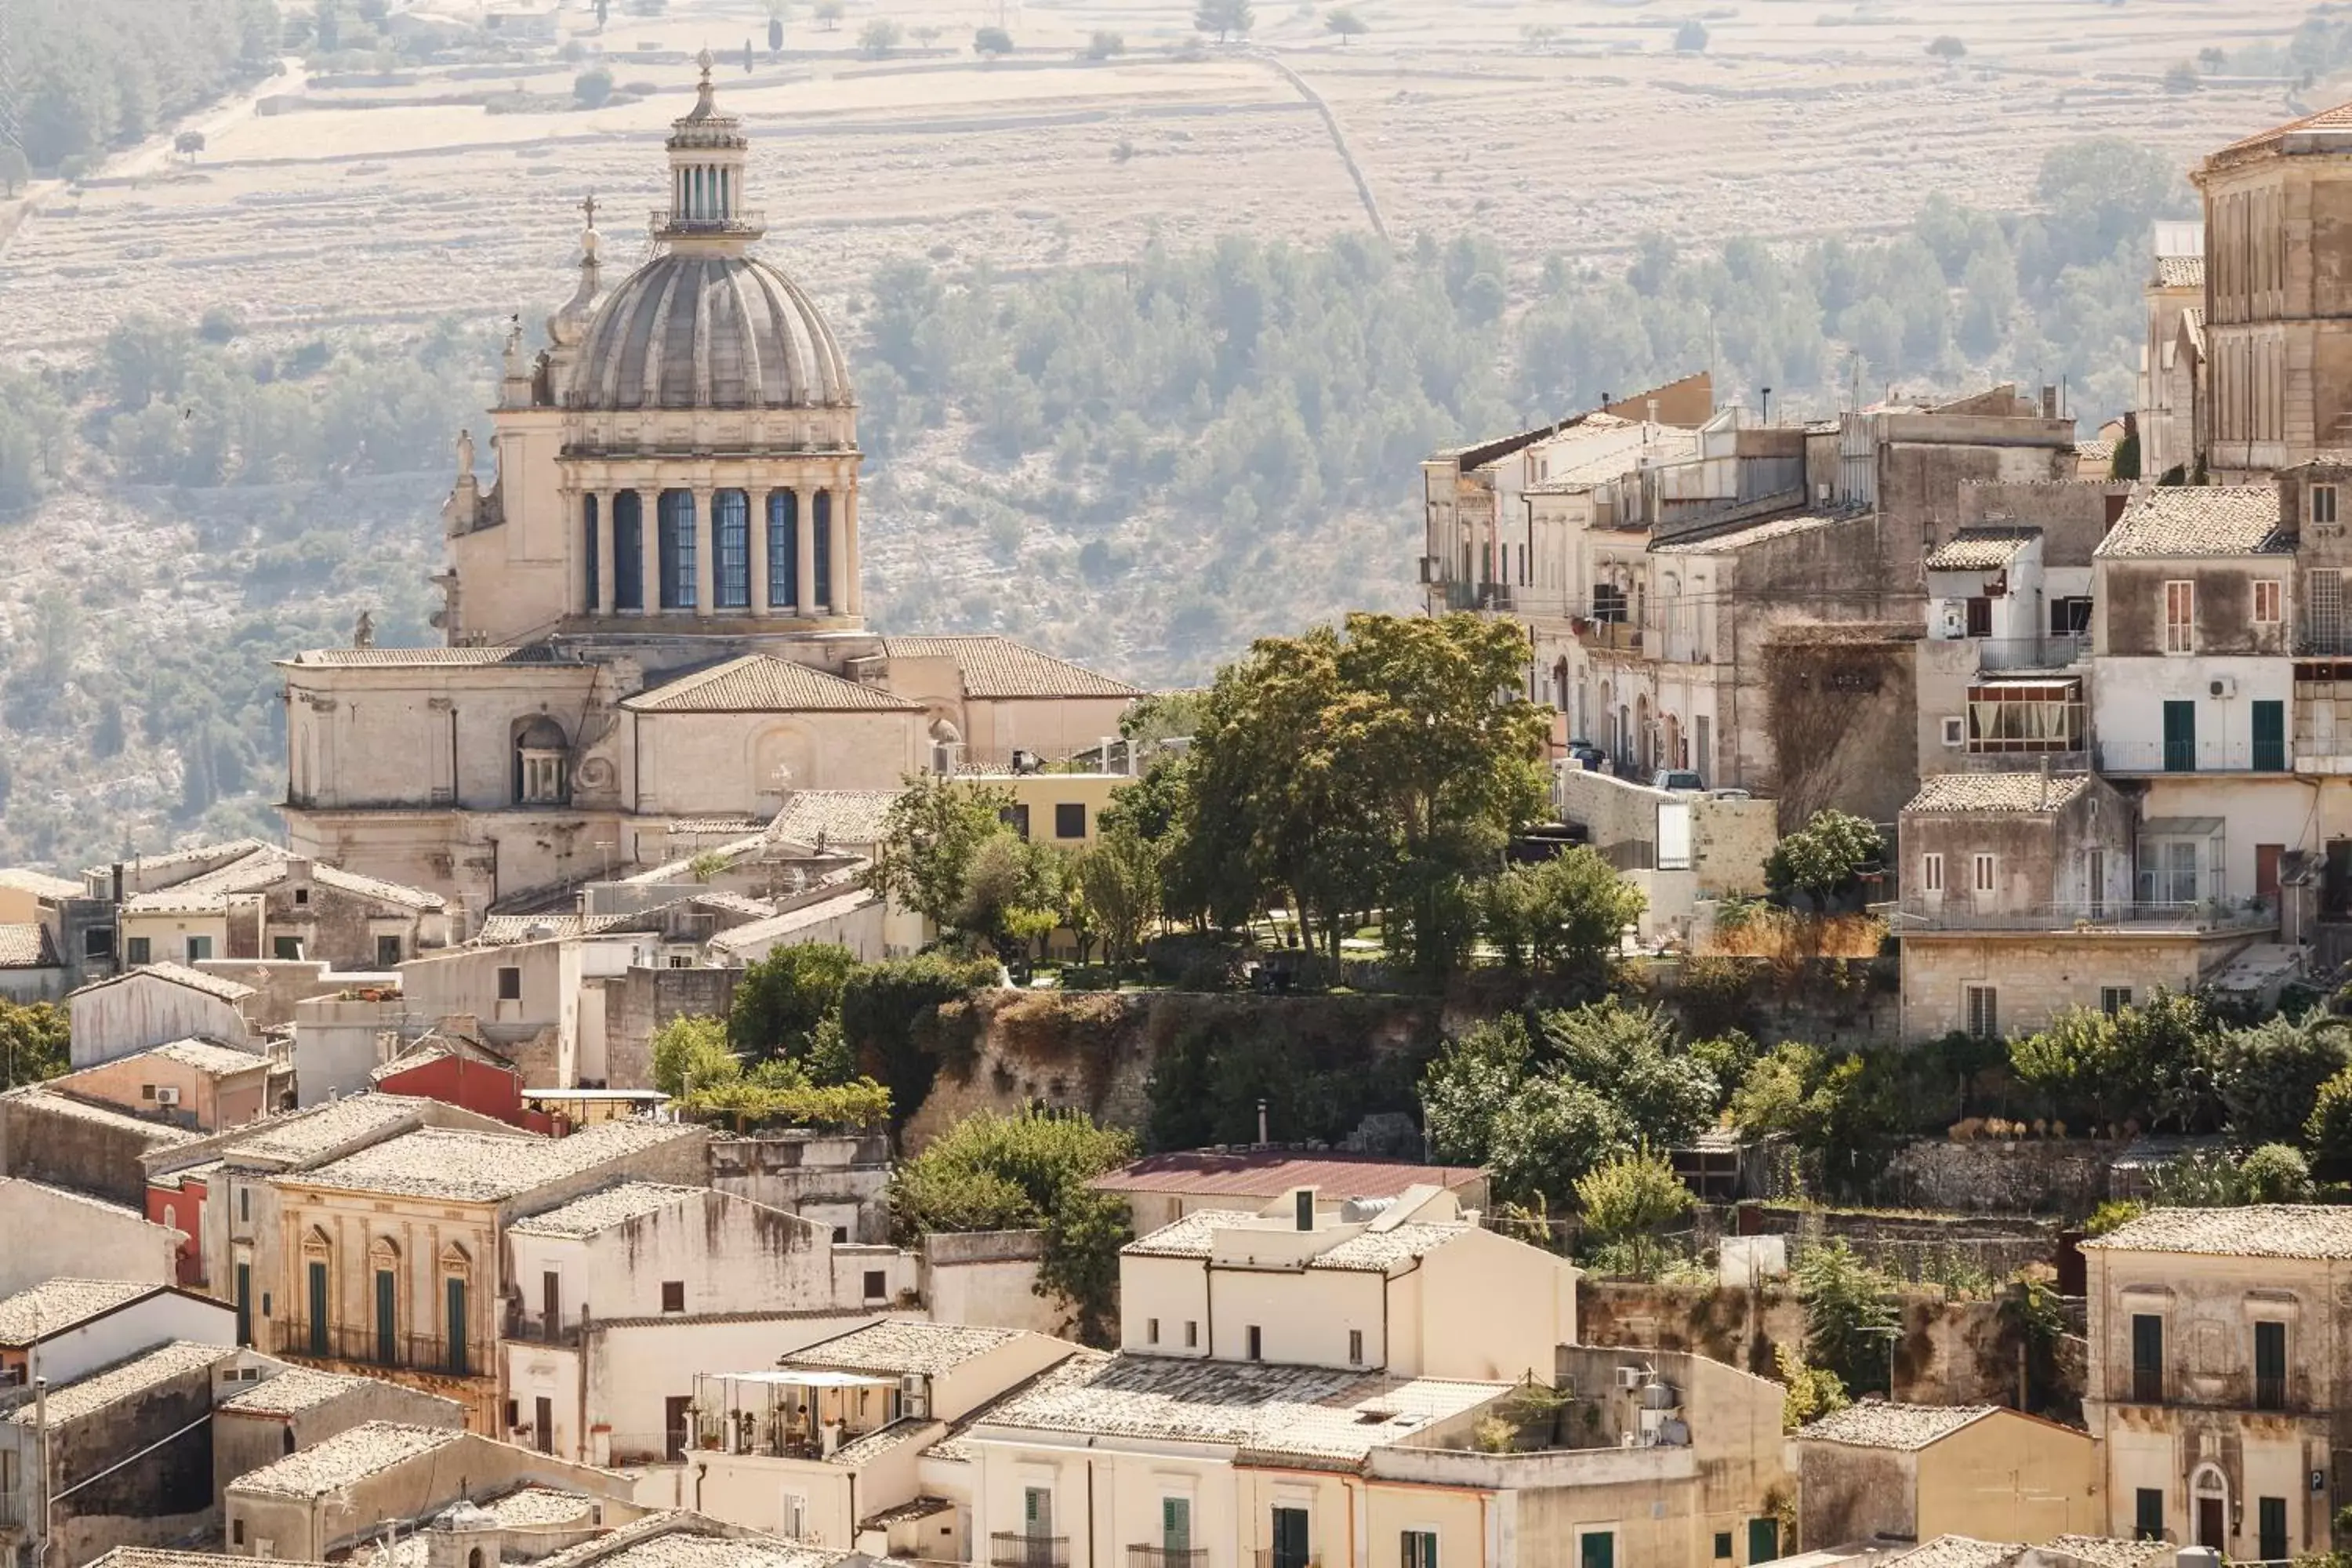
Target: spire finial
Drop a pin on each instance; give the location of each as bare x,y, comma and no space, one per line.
588,206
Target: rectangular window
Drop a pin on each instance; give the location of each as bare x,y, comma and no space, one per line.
1152,1331
1956,730
2267,599
237,1532
387,1328
551,1305
509,983
2272,1513
1291,1547
2114,999
1176,1527
673,1295
730,532
1596,1549
1983,874
387,953
1723,1546
286,949
1256,1343
245,1303
821,547
2270,1369
146,1091
1355,1347
2323,503
783,550
1420,1548
453,1324
1983,1008
628,551
588,539
674,545
317,1308
2147,1358
1036,1513
1192,1334
1070,820
1931,873
138,950
244,1202
200,948
2180,617
1979,617
1015,817
2269,718
877,1285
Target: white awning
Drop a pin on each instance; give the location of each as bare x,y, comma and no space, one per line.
811,1379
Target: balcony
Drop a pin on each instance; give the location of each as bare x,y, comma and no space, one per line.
1008,1549
1269,1558
2057,651
744,221
1623,636
1477,595
2269,1392
364,1349
2149,918
1166,1557
2192,757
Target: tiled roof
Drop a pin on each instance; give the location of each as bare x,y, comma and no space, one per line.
1295,1413
834,816
762,683
344,658
296,1389
508,930
752,933
1955,1552
179,974
911,1509
289,1141
604,1209
1595,452
26,947
2266,1230
1981,549
55,1305
266,866
2108,1551
131,1379
345,1458
901,1344
45,1101
2180,272
41,884
485,1167
152,1557
996,667
530,1507
2207,519
200,855
2027,792
2096,451
880,1441
1741,538
1372,1251
1270,1173
685,1549
204,1056
2336,119
1188,1236
377,887
1875,1424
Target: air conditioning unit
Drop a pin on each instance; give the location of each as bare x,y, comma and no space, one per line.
167,1094
1429,568
2224,686
1631,1377
914,1397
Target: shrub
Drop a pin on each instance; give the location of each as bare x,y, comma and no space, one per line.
1630,1198
1847,1317
2113,1214
1690,38
991,41
691,1052
1104,44
592,87
2275,1174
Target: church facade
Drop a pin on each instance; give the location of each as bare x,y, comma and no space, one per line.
651,611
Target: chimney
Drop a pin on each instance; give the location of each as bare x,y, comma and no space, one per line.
118,881
1261,1139
1302,1201
2049,402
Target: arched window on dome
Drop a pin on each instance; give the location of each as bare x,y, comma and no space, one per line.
628,551
676,550
731,537
783,550
542,771
821,521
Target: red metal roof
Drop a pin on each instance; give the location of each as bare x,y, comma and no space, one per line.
1270,1173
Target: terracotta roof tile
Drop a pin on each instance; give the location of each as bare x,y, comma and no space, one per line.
996,667
604,1209
1875,1424
2182,520
2019,792
485,1167
1269,1173
348,658
2180,272
853,817
26,947
55,1305
2264,1230
1981,549
902,1344
126,1379
762,683
348,1456
41,884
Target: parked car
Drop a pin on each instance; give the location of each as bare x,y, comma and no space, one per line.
1676,778
1594,758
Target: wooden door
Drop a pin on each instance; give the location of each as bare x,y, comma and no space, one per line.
2266,868
2211,1523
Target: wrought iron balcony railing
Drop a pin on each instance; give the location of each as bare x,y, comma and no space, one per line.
1008,1549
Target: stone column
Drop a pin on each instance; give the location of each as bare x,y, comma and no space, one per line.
755,503
706,553
853,590
649,552
836,593
608,586
805,551
575,593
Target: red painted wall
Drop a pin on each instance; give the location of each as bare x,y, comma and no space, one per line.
476,1086
186,1203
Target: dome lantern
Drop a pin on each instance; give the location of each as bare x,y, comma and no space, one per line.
706,147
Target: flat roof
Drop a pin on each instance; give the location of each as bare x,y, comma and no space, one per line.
1270,1173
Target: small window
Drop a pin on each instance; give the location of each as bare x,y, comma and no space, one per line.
137,951
264,1303
2323,503
1420,1548
1723,1546
146,1091
200,949
387,953
877,1285
1015,817
2180,617
509,983
1956,730
1070,820
237,1532
1152,1331
1931,873
1192,1334
244,1202
514,1414
97,941
286,949
1984,873
1983,1006
301,895
673,1295
841,1235
2267,599
2114,999
1355,1347
1256,1343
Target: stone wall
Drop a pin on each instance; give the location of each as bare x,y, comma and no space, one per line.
988,1278
1729,838
94,1152
639,1003
2066,1176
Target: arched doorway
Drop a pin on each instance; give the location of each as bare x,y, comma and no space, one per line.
2209,1507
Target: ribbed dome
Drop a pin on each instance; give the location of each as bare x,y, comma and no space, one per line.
690,330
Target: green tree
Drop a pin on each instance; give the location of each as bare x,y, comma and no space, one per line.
2268,1077
690,1053
1550,1130
1825,859
1690,38
592,87
1849,1323
781,1001
33,1040
2276,1174
930,837
1564,916
1630,1198
1017,1172
890,1019
1103,46
1119,876
1343,23
2081,1059
1011,895
828,12
879,37
991,41
1813,1392
1947,46
1631,1056
1469,1082
1226,18
2327,1131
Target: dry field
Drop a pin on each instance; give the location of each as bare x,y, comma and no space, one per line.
366,204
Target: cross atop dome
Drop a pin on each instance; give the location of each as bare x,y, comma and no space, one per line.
706,150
